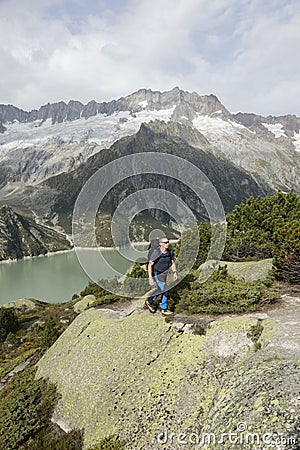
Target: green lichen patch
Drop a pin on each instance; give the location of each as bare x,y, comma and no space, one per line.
259,398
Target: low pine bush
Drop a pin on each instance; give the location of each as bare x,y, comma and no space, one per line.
222,293
109,443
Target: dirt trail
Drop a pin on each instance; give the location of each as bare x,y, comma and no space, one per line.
287,343
286,313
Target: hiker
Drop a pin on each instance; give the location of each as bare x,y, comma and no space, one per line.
160,260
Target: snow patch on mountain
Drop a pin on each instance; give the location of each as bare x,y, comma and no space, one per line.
275,128
214,128
296,141
143,103
102,129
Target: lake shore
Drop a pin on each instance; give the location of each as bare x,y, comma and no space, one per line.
14,260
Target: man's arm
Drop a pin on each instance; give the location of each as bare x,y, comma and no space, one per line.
151,279
173,267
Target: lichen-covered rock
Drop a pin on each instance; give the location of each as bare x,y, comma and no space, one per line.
86,302
129,376
249,270
157,387
257,404
23,304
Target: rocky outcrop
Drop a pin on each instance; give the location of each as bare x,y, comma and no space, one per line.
159,385
85,303
20,236
249,270
9,113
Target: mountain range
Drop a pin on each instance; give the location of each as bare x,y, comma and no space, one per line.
47,155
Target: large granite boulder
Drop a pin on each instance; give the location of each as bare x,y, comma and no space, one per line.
161,386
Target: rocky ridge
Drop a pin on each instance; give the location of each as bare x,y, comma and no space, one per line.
267,147
136,102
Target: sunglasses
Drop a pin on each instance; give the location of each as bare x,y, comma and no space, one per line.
164,242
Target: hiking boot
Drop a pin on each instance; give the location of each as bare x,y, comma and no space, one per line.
166,312
150,306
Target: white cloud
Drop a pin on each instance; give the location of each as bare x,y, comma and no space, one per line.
266,71
243,52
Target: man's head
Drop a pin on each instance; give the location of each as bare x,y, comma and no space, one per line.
163,242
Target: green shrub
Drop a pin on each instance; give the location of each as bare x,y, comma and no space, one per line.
136,280
252,226
93,289
26,406
254,334
50,333
11,339
47,440
8,322
181,289
8,365
107,299
286,261
109,443
223,293
102,290
190,239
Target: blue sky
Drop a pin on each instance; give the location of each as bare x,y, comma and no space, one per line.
243,51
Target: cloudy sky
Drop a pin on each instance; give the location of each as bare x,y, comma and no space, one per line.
246,52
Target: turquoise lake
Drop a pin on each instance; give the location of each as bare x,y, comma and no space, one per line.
55,278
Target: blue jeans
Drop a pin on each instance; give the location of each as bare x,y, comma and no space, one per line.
160,280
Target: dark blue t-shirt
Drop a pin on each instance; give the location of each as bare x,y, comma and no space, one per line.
162,261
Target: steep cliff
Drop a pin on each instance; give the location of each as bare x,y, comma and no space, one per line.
20,236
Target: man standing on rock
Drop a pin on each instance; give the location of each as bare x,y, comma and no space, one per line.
159,263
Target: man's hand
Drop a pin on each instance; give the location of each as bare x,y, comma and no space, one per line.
151,281
175,275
